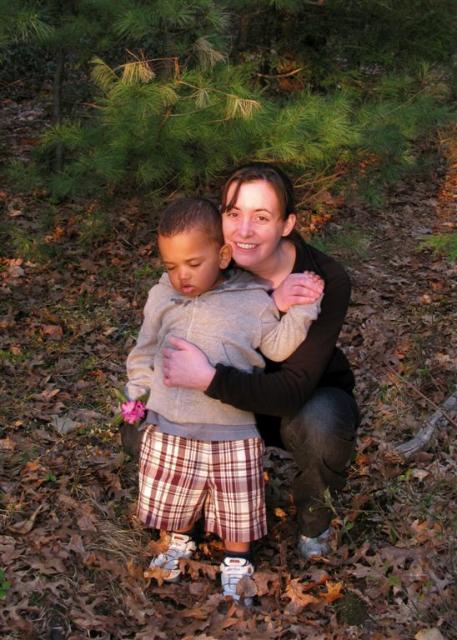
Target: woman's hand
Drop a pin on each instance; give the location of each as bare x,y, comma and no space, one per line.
185,365
298,288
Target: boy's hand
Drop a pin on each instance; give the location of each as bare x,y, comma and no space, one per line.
298,288
185,365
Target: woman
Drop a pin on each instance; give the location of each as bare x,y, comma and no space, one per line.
304,404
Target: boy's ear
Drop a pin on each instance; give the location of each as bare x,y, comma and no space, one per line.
289,224
225,255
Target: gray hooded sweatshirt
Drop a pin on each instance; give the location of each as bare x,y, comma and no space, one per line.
230,324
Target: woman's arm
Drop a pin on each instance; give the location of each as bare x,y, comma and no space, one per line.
283,392
279,393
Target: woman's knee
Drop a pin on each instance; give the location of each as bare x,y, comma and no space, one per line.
326,423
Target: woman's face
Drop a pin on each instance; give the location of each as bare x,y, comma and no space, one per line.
254,226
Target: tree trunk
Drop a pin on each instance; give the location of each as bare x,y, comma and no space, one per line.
57,103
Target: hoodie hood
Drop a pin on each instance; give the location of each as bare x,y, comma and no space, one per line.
236,280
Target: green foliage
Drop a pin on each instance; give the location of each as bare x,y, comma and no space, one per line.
25,176
31,246
94,228
336,91
335,37
5,585
443,244
184,130
348,242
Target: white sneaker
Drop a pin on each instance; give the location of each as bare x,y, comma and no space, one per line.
232,570
315,547
180,546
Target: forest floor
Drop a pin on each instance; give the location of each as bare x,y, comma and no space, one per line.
73,280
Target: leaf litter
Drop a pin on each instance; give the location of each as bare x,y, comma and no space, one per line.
75,558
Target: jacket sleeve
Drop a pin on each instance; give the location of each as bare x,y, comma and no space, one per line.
280,338
283,392
140,361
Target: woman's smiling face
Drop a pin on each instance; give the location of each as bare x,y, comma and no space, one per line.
254,226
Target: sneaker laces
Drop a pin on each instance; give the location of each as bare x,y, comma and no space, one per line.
232,570
180,546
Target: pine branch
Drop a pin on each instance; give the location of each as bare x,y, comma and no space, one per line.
207,55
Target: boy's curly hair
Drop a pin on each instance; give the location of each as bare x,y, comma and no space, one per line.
190,213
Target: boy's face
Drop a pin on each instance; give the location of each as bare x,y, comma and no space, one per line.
193,261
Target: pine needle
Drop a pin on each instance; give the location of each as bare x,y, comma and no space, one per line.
208,56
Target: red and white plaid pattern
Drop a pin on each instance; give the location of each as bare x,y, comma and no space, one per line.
181,479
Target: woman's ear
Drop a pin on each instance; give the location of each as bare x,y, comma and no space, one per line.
225,255
289,224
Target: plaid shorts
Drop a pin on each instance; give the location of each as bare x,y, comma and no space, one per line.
181,479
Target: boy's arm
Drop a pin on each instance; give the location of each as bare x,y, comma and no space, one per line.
140,361
280,338
283,392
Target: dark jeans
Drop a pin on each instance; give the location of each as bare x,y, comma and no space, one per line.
321,438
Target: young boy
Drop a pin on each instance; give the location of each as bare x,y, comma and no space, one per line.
199,455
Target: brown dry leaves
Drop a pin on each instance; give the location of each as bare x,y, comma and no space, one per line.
71,548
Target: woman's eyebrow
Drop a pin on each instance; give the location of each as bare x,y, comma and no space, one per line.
259,209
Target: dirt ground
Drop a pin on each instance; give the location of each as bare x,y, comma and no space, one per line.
73,279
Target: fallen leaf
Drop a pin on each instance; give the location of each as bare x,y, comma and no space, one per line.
134,570
52,331
246,587
195,568
156,547
333,591
419,474
15,271
298,599
429,634
7,444
263,580
197,613
48,394
64,424
26,525
198,589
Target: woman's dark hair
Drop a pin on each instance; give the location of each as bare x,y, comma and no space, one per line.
261,171
188,213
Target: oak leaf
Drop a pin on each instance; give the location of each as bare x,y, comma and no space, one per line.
156,573
246,587
263,580
195,568
298,598
333,591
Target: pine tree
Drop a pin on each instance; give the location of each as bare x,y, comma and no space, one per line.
184,89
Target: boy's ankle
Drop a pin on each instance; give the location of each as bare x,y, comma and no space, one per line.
246,555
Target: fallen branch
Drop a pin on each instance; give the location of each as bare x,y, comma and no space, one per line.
423,396
422,439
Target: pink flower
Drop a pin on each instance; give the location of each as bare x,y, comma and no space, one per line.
133,411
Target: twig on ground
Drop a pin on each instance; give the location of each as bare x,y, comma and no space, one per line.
433,404
423,437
